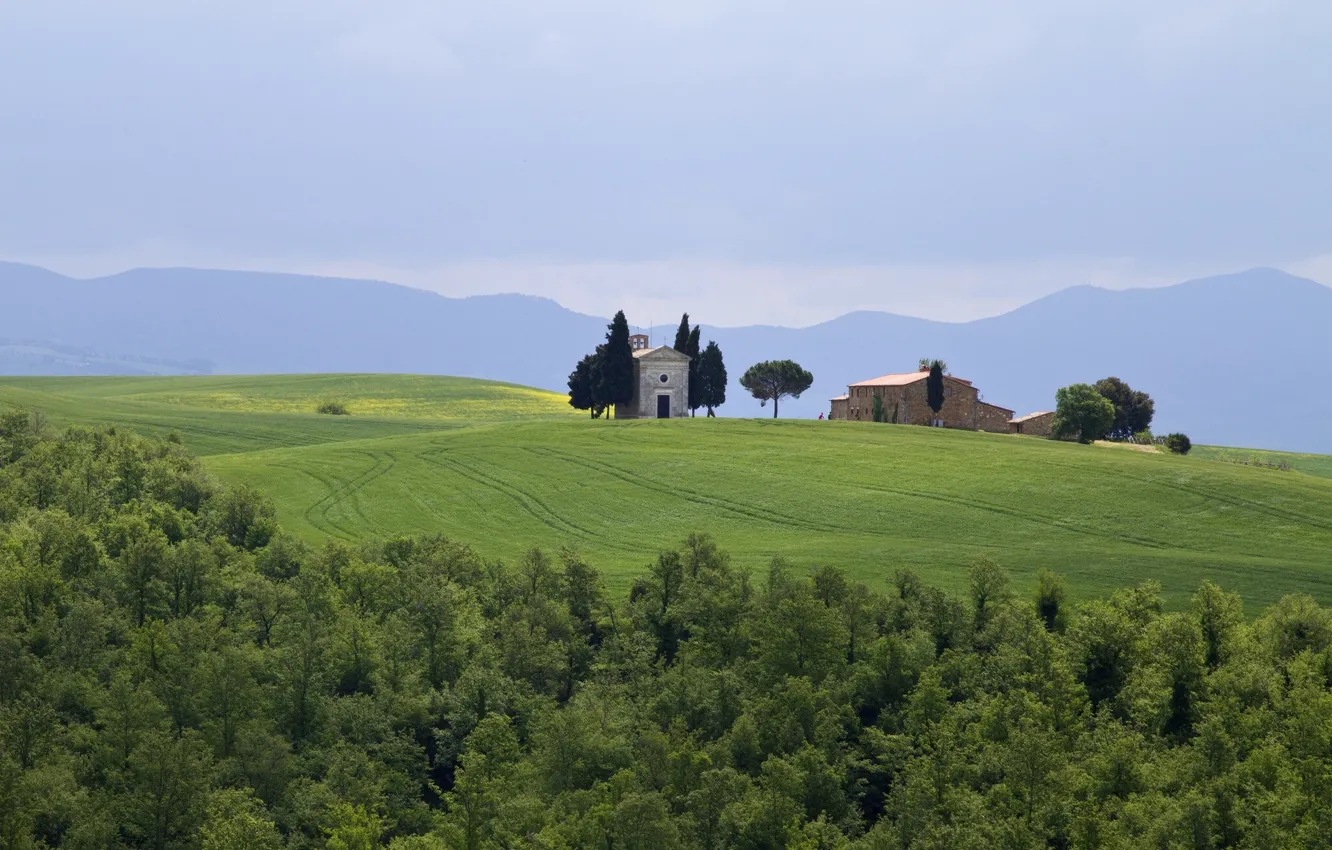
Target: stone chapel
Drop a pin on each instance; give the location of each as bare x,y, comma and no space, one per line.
661,382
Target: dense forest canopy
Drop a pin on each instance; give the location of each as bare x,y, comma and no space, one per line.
175,672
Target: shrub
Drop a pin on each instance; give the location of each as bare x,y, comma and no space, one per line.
333,408
1178,443
1144,437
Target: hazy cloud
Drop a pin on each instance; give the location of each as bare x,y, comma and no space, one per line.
995,148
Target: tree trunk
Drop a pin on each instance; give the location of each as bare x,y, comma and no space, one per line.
774,406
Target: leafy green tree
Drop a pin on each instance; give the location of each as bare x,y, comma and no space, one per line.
800,636
243,517
711,378
353,828
1082,413
1133,409
1050,605
237,821
1219,615
17,436
934,387
616,381
164,802
142,563
773,380
988,584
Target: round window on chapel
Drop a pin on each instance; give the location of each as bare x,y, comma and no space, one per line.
664,377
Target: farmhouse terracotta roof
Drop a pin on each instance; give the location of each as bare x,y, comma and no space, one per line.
904,379
840,398
1007,410
1032,416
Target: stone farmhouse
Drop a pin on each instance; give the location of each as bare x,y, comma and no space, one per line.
906,402
661,382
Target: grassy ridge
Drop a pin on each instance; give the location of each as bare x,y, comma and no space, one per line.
220,415
870,498
1320,465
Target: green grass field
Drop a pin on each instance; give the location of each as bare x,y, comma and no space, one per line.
505,468
1320,465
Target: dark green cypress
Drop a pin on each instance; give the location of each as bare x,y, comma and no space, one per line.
682,336
617,364
695,390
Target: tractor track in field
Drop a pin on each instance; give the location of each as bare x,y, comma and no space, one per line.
1214,496
1036,519
530,503
317,514
713,502
1238,502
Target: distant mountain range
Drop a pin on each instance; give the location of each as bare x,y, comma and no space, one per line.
1242,359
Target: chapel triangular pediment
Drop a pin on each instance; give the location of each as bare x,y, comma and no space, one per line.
663,353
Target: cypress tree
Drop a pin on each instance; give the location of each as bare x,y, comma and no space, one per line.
682,335
695,391
598,366
934,387
711,378
617,364
580,385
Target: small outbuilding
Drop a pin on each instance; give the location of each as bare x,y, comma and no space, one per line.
1040,424
661,383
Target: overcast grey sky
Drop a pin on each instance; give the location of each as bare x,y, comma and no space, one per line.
749,161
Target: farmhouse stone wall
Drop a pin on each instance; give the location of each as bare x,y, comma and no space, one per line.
959,407
859,404
992,418
908,404
912,404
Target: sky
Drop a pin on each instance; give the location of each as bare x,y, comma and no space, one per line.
751,161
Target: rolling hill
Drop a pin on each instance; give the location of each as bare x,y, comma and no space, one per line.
1239,360
505,468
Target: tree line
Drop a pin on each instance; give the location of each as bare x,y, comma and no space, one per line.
1111,410
176,672
605,378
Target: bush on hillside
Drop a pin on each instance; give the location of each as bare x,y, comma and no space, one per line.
1178,443
333,408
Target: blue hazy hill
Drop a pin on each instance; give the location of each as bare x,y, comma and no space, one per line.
1242,359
